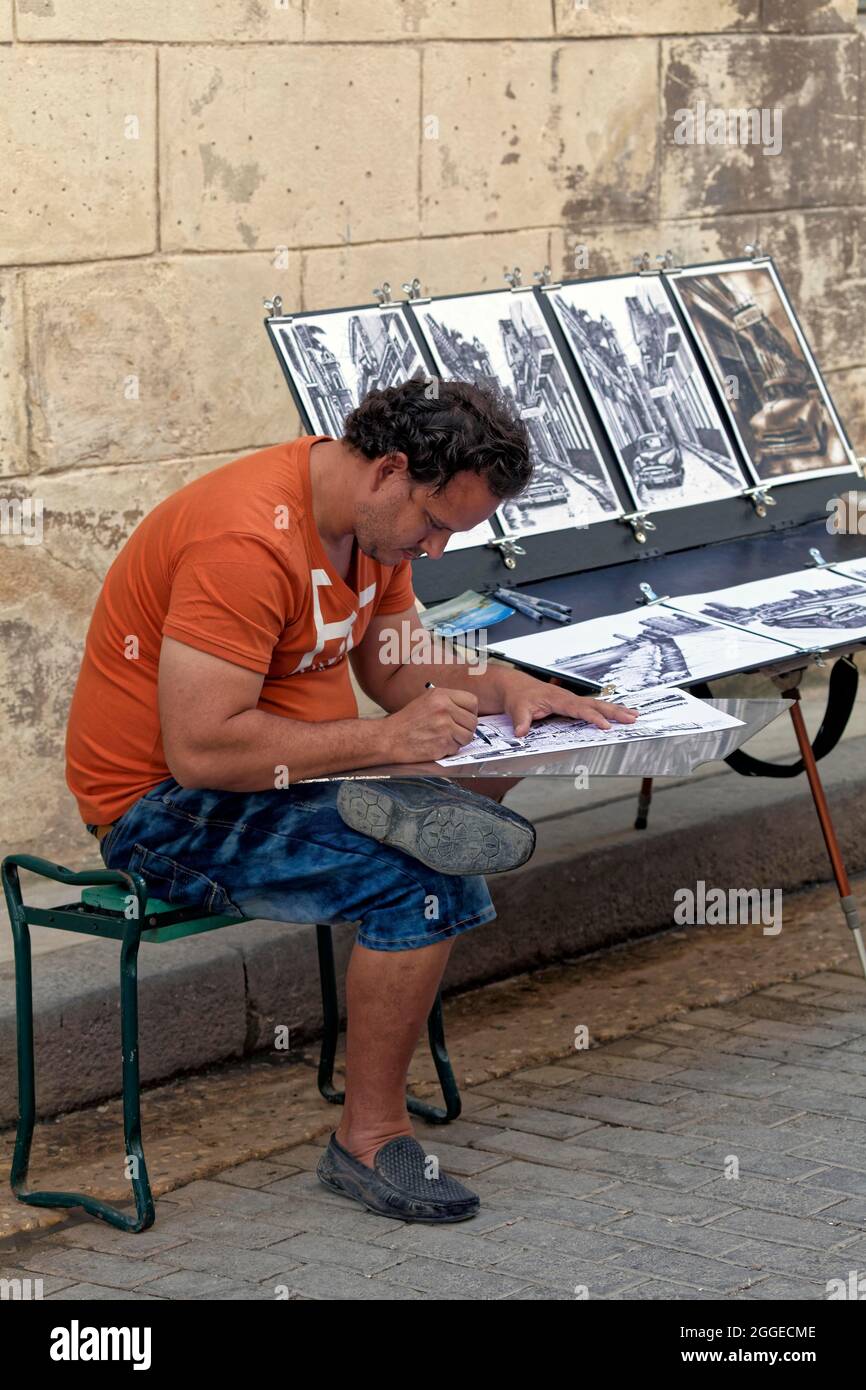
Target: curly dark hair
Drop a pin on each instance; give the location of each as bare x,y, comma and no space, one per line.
459,427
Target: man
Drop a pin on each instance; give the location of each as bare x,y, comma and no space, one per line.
215,679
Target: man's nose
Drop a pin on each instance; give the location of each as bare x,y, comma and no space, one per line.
435,545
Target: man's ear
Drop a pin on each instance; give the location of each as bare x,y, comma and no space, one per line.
390,466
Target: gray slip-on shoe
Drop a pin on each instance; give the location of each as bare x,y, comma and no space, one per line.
398,1184
448,828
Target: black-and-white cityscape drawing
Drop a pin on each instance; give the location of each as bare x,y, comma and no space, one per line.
638,650
767,375
855,568
808,608
501,340
649,390
334,359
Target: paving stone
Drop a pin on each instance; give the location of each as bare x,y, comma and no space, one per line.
550,1206
538,1294
793,1198
816,1232
250,1266
850,1212
841,1180
829,1152
566,1272
702,1272
532,1146
464,1162
776,1289
716,1018
666,1172
828,1103
452,1280
731,1082
737,1137
546,1235
545,1076
833,1128
833,1079
537,1177
820,1059
642,1197
794,1259
811,1037
638,1046
757,1162
315,1247
94,1235
552,1123
237,1200
192,1284
50,1283
662,1290
617,1139
99,1293
331,1282
452,1243
625,1088
96,1267
258,1172
243,1233
679,1235
637,1068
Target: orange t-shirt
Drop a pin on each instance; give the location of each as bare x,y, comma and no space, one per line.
231,564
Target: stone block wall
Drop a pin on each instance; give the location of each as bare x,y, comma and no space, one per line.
164,166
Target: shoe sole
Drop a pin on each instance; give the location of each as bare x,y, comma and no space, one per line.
452,839
334,1185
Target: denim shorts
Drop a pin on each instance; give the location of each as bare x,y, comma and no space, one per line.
287,856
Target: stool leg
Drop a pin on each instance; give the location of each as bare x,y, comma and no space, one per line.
145,1213
644,800
331,1029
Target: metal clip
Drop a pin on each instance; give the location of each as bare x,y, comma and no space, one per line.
508,550
861,464
650,595
640,524
412,289
642,263
761,498
817,557
274,307
514,279
668,261
756,251
383,294
544,279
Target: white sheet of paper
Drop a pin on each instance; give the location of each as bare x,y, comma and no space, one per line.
808,607
662,712
646,647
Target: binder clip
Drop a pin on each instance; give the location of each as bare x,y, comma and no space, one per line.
412,291
275,307
508,550
382,293
544,279
640,524
515,280
756,251
642,263
650,595
668,261
761,498
816,557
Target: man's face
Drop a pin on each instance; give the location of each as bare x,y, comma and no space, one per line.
398,519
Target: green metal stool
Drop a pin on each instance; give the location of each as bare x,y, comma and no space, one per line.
114,904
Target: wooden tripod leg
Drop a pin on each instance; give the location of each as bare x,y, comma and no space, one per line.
644,799
840,873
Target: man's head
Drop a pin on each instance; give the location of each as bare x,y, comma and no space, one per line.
435,463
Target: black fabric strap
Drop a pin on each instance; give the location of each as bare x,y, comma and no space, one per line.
840,702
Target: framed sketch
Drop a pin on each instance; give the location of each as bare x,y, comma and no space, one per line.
768,380
809,608
500,338
332,359
643,648
649,390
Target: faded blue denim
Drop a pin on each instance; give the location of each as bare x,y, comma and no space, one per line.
287,856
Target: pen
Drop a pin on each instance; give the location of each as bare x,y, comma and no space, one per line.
519,606
548,603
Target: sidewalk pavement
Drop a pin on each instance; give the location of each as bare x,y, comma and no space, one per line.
718,1152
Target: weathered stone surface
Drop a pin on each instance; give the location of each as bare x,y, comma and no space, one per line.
13,411
5,21
848,389
337,21
284,146
444,265
48,594
196,21
814,87
189,330
77,153
537,134
809,16
593,18
819,256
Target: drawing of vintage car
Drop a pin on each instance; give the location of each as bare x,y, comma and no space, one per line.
543,490
791,420
657,462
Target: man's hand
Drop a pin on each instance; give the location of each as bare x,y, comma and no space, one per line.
526,699
434,725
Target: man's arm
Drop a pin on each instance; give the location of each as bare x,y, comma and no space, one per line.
499,689
214,736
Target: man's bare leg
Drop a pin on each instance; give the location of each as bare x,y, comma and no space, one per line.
389,995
